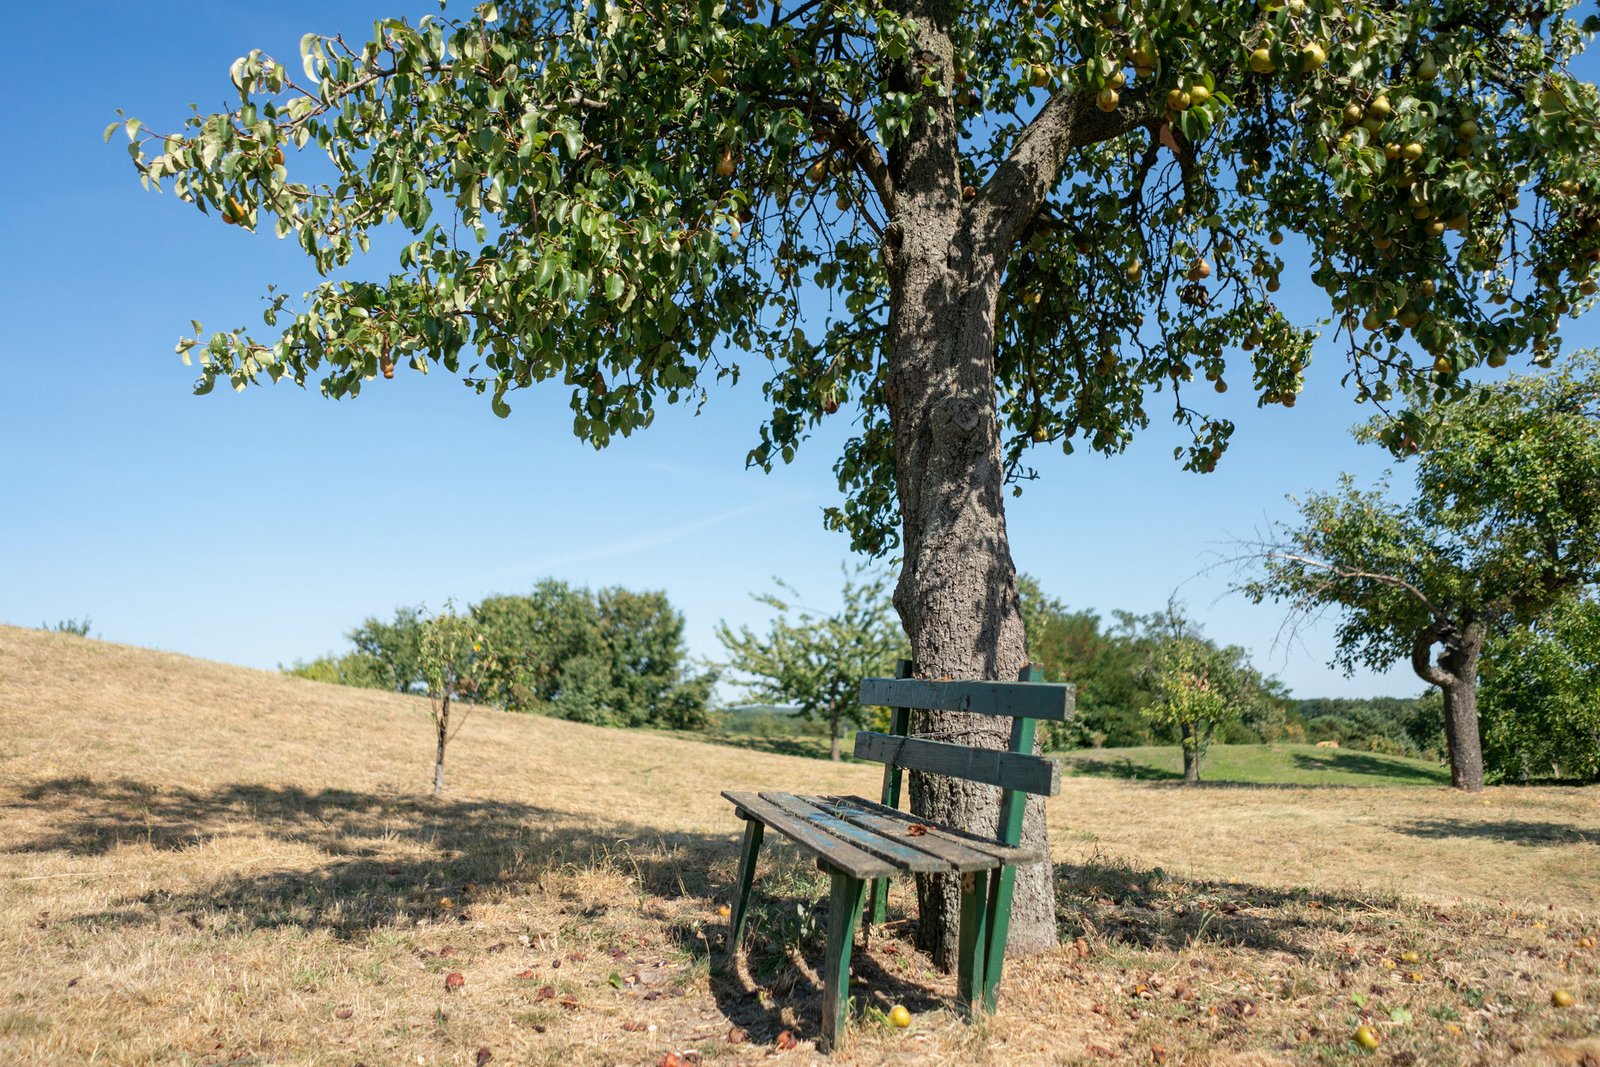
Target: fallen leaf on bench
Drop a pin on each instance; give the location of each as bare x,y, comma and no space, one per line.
786,1040
916,829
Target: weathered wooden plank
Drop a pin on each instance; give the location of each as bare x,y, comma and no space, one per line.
833,850
1010,770
956,854
1032,700
901,852
899,723
1002,852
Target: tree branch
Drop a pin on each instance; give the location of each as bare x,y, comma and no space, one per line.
1351,573
848,136
1423,664
1009,200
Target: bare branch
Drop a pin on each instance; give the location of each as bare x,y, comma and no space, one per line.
1352,574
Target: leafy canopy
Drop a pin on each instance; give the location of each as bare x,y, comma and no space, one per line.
1504,522
638,199
1540,705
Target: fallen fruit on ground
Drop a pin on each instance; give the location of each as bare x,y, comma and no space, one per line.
1563,998
1366,1037
900,1017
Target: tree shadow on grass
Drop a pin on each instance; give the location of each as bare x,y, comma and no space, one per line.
1515,831
1345,762
1123,768
1144,908
383,858
378,860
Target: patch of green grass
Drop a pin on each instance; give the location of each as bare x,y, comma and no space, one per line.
1279,764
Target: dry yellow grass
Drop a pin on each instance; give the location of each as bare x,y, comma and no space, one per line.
201,864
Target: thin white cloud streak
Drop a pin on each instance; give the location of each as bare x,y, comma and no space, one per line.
645,543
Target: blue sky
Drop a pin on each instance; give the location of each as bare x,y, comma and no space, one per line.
257,528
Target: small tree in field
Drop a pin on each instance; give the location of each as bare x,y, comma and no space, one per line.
1197,687
1504,524
454,660
815,660
1026,221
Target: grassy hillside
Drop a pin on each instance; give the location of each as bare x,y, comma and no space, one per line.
201,864
1259,765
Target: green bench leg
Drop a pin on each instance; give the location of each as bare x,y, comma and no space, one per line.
844,909
1001,886
878,897
747,873
974,942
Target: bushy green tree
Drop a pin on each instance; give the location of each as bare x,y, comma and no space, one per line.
551,641
389,653
613,658
814,660
1540,703
1504,523
357,669
1028,218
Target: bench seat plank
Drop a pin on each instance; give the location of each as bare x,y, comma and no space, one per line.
958,855
1002,853
897,848
1010,770
830,849
1029,700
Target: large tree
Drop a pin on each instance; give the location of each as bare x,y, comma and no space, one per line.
1504,525
1025,220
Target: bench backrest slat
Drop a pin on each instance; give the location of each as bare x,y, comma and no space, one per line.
1030,700
1009,770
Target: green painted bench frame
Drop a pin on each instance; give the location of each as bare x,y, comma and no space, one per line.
858,835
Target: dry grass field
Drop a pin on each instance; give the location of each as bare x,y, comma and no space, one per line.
202,864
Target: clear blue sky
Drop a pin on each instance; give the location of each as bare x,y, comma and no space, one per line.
257,528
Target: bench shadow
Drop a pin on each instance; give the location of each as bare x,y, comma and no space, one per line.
1514,831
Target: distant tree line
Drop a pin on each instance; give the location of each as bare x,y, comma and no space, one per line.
614,657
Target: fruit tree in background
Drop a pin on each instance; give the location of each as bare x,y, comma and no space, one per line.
1504,527
1032,224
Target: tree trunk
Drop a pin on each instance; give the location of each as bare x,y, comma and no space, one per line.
957,594
1191,756
441,727
1456,675
833,736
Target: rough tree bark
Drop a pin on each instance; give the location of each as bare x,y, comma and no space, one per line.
957,592
1456,674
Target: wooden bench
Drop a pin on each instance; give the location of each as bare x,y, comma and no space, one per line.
858,841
